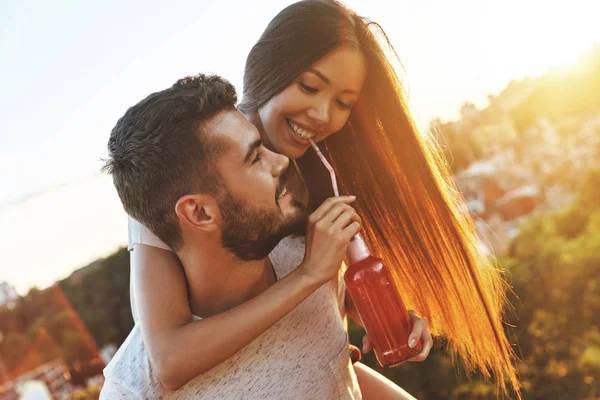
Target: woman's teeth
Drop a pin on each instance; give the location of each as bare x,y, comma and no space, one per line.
303,133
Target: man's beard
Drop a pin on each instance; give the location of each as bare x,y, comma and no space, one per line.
251,233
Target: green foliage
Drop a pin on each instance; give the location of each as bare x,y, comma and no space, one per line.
589,197
91,392
555,269
101,298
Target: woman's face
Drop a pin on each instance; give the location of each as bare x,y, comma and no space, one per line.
316,104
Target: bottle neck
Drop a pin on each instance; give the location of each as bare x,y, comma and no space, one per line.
357,250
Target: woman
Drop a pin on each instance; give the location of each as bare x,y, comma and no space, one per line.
320,69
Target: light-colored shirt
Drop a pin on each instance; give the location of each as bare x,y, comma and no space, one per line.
303,356
139,234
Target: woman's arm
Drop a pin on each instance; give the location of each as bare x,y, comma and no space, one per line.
181,349
375,386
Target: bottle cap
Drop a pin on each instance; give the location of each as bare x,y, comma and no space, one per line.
357,250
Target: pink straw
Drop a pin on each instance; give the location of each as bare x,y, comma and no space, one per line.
328,166
357,247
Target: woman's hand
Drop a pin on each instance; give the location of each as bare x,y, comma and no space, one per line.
420,331
328,233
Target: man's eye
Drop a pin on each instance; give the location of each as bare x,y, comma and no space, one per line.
308,89
257,158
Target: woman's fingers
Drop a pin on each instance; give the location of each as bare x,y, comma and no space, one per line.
367,345
420,332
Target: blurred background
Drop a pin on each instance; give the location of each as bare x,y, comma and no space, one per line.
510,89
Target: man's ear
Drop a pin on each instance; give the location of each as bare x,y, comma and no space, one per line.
198,212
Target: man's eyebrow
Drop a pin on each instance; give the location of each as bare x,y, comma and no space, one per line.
253,146
328,82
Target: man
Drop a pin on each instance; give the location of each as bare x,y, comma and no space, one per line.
189,166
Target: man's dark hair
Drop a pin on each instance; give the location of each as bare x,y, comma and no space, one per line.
160,150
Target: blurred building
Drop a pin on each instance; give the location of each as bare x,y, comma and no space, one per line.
45,360
52,378
34,390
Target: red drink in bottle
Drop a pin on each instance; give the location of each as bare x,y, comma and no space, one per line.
381,310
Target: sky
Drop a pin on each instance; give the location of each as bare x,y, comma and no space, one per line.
70,69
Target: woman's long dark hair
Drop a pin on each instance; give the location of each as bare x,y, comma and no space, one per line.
413,216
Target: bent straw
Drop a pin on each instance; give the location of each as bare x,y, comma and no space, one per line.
328,166
357,244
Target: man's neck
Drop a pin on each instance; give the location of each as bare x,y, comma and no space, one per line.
219,281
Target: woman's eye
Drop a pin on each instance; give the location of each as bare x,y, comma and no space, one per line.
257,158
343,105
308,89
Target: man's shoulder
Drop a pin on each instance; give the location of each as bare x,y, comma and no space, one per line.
113,390
130,367
133,340
288,254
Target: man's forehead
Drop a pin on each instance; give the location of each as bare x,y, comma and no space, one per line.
233,131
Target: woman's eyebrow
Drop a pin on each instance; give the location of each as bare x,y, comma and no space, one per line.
320,75
328,82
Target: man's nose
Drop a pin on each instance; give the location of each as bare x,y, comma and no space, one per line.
280,164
